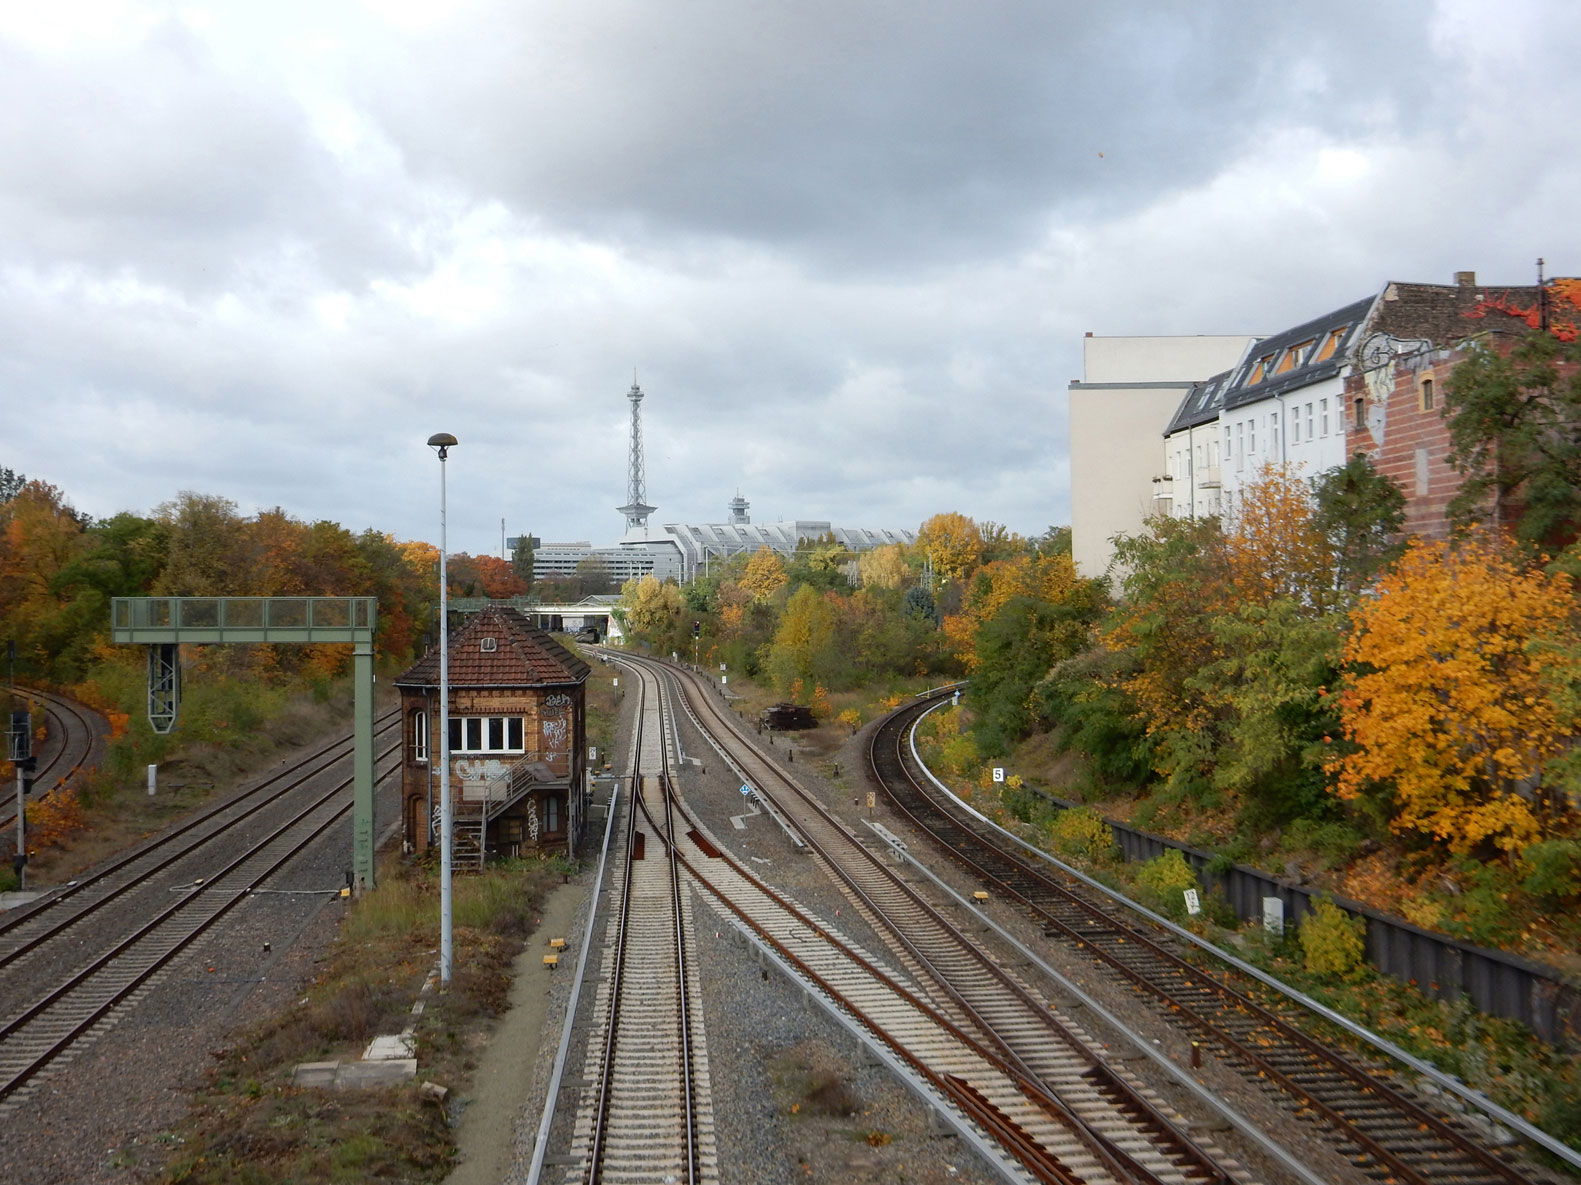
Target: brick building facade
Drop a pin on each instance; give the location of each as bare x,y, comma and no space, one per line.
518,742
1395,391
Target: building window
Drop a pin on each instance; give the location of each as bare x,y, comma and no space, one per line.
1427,393
1359,409
1324,405
1251,434
488,645
1310,421
1295,426
552,822
486,734
1331,343
419,737
1240,446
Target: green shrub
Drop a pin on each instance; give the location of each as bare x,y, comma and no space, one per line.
1162,883
1553,870
1333,943
1080,833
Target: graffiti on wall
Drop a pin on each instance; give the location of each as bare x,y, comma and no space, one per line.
554,730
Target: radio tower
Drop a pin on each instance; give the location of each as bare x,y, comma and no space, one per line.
636,509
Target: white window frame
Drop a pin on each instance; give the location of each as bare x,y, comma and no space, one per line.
487,734
420,737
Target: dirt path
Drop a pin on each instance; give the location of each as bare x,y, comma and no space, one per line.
504,1080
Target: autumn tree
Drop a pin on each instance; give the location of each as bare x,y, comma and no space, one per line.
652,612
996,583
885,567
1273,547
1275,663
1515,434
1450,708
206,550
1014,649
1000,542
953,542
764,575
1360,512
41,537
805,645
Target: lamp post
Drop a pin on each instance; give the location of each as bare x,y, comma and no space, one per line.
442,443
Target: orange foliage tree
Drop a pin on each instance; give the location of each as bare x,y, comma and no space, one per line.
994,585
1273,546
1450,703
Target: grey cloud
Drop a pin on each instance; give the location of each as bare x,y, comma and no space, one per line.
879,134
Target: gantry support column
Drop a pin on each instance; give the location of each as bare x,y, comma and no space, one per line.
362,765
165,623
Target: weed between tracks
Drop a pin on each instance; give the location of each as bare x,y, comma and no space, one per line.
250,1125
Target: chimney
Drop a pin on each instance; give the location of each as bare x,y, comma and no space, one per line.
1466,279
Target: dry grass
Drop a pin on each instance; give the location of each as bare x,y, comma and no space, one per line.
251,1125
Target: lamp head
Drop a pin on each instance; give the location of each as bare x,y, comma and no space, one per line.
441,441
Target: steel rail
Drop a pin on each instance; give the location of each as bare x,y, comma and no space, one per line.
17,917
55,925
677,932
607,1063
563,1051
59,707
1123,959
1013,1139
182,942
1144,1116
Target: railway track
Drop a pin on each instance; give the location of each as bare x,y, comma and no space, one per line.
72,961
648,1115
82,734
987,1044
1386,1132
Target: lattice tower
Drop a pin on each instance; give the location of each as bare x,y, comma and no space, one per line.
636,509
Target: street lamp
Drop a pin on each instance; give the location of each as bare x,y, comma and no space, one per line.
442,443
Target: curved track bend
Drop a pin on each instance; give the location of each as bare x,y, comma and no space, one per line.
1380,1126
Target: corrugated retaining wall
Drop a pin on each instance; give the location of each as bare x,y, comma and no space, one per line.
1495,982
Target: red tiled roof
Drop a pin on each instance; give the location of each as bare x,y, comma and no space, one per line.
523,656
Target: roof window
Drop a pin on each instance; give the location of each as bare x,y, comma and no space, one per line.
1294,356
1331,343
488,645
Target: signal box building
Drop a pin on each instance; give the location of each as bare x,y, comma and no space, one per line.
518,742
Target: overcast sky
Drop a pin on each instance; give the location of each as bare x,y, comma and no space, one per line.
849,249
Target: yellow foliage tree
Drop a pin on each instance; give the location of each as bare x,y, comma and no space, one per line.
653,610
765,574
1273,547
954,543
1451,699
884,567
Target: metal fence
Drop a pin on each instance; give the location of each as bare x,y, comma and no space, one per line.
1495,982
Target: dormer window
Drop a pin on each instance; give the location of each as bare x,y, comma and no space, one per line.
488,645
1293,356
1331,343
